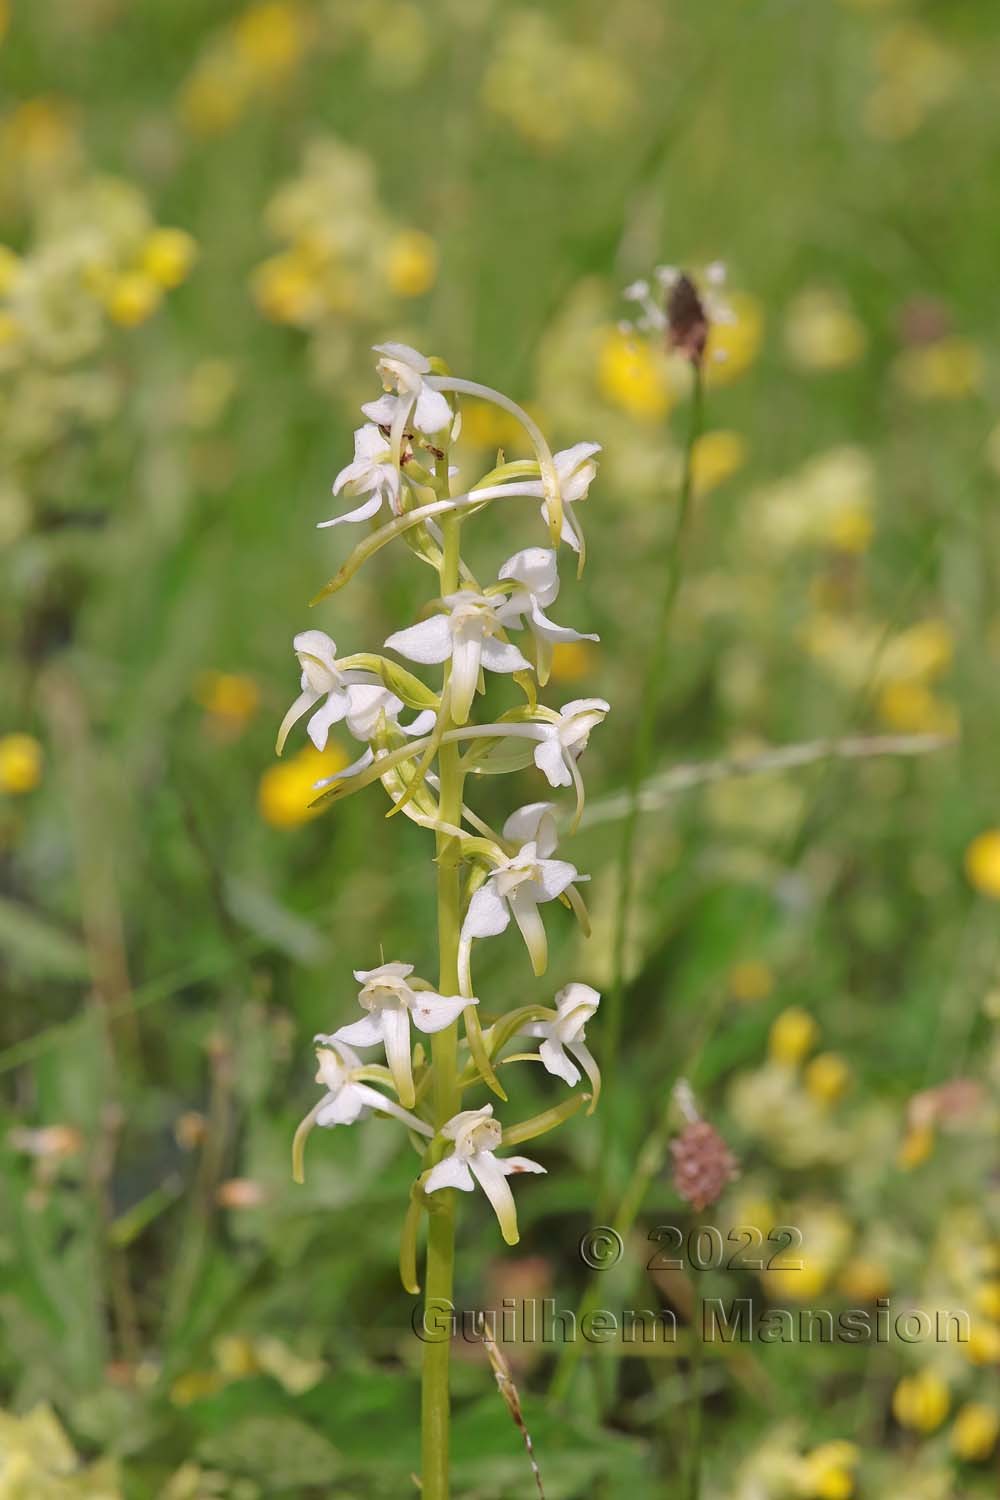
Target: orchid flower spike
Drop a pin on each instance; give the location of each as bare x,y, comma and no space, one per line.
467,634
575,1004
347,1099
576,469
515,889
321,679
535,572
372,474
476,1135
392,1003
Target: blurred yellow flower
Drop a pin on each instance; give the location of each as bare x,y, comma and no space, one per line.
733,345
916,74
215,94
20,764
792,1035
411,263
132,298
821,331
950,369
982,863
230,698
926,651
983,1344
167,256
863,1280
487,426
272,37
715,458
633,374
750,980
913,709
41,130
286,789
988,1300
573,660
826,1077
286,289
920,1402
975,1430
915,1148
10,264
827,1472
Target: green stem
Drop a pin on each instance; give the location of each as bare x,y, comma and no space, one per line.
648,712
439,1279
693,1487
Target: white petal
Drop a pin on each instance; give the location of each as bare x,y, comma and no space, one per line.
364,1033
513,1166
366,703
467,651
370,508
422,724
487,914
382,411
550,631
396,1034
550,758
536,568
372,1099
341,1108
361,764
301,705
329,713
405,354
432,1012
499,656
589,1065
453,1172
535,822
318,644
428,642
532,928
432,414
492,1178
393,970
554,875
557,1063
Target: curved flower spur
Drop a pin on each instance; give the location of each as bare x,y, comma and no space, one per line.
421,743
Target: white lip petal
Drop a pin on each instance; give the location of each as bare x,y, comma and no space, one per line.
396,1035
528,919
468,651
492,1178
428,643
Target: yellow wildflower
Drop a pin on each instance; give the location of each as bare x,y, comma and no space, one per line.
10,264
167,256
863,1280
230,698
633,374
132,298
287,789
822,333
914,709
411,263
733,345
950,369
827,1472
915,1148
40,130
920,1402
487,426
286,289
216,93
982,863
793,1034
983,1344
20,764
573,660
975,1430
827,1077
271,36
988,1299
715,458
750,980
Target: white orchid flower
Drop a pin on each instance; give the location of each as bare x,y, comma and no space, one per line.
536,571
575,1004
411,402
322,679
516,887
561,744
392,1004
372,474
576,471
467,634
369,705
347,1098
476,1135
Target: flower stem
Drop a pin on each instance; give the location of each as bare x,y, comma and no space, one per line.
439,1277
648,712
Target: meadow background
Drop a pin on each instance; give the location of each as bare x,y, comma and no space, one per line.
208,214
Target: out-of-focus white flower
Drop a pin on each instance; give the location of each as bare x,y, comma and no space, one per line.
516,887
567,1034
476,1135
372,474
576,470
535,570
392,1003
467,634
